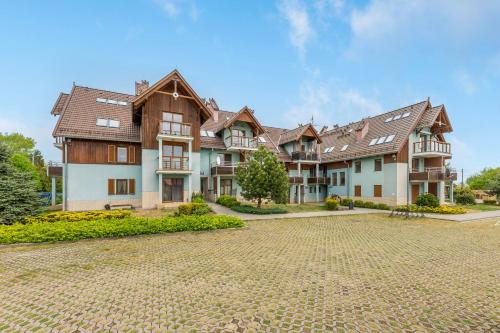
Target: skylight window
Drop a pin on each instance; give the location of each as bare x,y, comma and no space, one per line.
374,141
396,117
123,103
210,134
406,114
381,140
261,139
326,150
101,100
112,101
344,147
390,138
114,123
388,119
102,122
203,133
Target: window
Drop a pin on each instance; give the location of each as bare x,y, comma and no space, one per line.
342,178
388,119
203,133
381,140
121,155
377,191
390,138
374,141
114,123
334,179
344,147
406,114
396,117
102,122
310,189
173,117
329,149
261,139
238,132
415,164
357,167
101,100
378,164
326,150
121,186
357,190
210,134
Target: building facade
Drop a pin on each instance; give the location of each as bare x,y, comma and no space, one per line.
164,143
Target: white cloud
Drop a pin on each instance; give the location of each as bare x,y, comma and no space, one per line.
177,8
301,31
465,82
329,103
326,8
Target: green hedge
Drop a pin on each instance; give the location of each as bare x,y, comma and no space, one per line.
227,200
331,204
371,205
489,201
254,210
436,210
193,208
64,230
346,201
78,216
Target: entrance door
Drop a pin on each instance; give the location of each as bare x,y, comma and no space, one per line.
415,191
204,187
433,188
173,190
302,193
226,186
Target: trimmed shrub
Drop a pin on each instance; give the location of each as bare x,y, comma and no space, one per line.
104,228
369,204
78,216
227,201
332,204
427,200
464,196
383,206
490,202
359,203
247,209
197,197
436,210
346,201
193,208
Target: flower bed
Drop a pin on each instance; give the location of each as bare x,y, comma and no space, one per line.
436,210
117,227
78,216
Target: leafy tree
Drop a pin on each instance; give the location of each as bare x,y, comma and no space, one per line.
464,195
18,192
493,185
479,181
263,176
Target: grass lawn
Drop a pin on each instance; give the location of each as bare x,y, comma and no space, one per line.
359,273
479,208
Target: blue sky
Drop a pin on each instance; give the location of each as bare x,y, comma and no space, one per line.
288,60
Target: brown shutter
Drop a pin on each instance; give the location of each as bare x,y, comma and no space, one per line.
111,154
131,186
111,186
357,190
377,191
131,154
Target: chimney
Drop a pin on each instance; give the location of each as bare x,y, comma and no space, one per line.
212,106
362,130
141,87
323,129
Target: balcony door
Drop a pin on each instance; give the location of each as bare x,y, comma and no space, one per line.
173,190
172,123
174,157
226,186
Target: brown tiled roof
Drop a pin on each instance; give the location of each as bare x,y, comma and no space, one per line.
377,127
296,133
429,117
79,116
59,104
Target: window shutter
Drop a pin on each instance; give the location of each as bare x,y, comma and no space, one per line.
111,186
131,154
131,186
111,154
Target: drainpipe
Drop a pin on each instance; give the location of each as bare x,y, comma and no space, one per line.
65,175
348,179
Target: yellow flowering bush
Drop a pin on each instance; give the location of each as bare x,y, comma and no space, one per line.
78,216
436,210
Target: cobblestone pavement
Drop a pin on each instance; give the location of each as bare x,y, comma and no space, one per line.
340,273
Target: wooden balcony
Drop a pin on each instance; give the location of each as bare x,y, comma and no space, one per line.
54,169
296,180
174,130
174,164
433,174
242,142
305,156
431,148
318,180
223,169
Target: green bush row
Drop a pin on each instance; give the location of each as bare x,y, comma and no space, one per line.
64,230
254,210
78,216
490,202
371,205
193,208
436,210
227,201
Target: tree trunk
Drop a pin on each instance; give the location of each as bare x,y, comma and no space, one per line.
259,201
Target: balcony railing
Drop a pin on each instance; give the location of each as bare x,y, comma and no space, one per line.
304,156
174,128
318,180
242,142
433,174
295,180
175,163
224,168
431,146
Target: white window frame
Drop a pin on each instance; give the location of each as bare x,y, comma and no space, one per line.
123,149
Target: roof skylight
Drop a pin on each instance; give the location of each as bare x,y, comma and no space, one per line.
111,101
396,117
374,141
210,134
105,122
261,139
381,140
390,138
102,122
203,133
388,119
114,123
344,147
406,114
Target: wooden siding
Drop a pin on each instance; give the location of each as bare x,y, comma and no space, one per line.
152,114
98,152
401,156
433,162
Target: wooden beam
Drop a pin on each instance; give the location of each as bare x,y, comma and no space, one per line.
171,94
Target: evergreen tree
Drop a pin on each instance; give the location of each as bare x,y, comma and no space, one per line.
263,176
18,195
